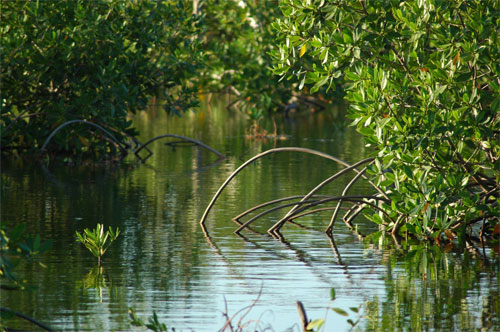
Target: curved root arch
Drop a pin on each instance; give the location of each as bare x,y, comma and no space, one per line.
280,223
123,146
192,140
263,154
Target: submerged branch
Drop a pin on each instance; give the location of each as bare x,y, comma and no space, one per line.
251,220
280,223
244,213
337,208
311,203
29,319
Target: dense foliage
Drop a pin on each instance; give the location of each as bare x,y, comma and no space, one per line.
422,79
96,61
90,60
237,37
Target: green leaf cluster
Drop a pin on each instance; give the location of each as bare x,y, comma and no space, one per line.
153,324
238,40
97,241
422,79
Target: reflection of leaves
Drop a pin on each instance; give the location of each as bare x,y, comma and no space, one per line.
95,278
13,252
447,276
135,321
154,323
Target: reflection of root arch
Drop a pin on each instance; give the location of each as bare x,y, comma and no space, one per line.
192,140
260,155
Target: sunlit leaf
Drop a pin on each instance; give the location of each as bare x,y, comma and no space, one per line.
302,50
317,323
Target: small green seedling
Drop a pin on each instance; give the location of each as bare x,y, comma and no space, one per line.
97,241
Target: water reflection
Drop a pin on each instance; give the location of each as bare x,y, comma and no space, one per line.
163,262
428,290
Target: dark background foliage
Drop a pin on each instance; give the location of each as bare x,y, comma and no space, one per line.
92,60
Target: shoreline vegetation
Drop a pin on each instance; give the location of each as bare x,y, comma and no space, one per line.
421,79
429,107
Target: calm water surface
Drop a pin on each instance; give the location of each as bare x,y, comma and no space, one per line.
163,262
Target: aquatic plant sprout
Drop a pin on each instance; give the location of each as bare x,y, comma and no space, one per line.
97,240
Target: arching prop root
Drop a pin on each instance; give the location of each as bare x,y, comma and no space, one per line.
184,138
125,147
307,201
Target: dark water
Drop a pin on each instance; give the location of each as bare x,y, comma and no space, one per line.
163,262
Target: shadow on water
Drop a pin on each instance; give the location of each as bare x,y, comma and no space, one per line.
163,262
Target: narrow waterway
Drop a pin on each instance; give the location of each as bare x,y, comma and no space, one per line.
164,263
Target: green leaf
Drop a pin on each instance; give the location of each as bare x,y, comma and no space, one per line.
347,38
36,244
383,82
377,219
349,75
316,43
340,311
301,85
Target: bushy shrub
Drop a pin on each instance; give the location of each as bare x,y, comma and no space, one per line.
92,60
422,79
